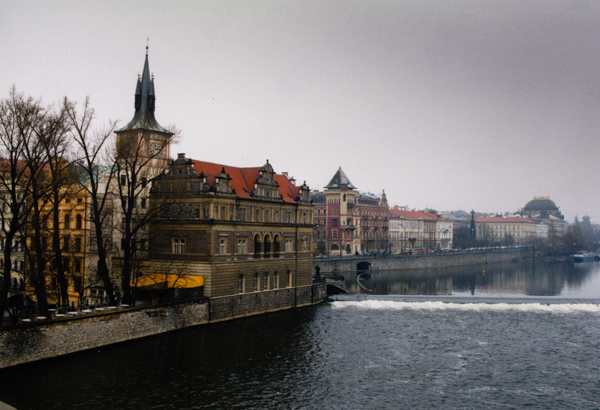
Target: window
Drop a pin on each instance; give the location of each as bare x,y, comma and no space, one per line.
79,222
67,221
143,203
289,279
334,222
123,180
178,245
266,282
255,282
275,280
77,244
66,244
241,246
77,265
144,182
222,246
241,283
289,246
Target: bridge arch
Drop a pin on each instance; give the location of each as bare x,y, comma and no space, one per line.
362,267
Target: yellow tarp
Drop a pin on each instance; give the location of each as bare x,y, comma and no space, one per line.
157,280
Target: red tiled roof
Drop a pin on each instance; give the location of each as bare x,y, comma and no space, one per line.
415,214
243,179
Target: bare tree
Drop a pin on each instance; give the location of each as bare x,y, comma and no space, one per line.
43,158
18,117
137,163
94,163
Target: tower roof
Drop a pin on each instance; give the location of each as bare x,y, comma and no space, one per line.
143,119
339,179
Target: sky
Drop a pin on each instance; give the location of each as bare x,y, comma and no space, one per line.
444,104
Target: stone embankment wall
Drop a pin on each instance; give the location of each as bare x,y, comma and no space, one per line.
52,338
227,308
349,264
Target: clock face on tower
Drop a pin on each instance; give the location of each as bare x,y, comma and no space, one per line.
155,148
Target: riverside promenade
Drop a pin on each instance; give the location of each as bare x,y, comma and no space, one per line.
336,265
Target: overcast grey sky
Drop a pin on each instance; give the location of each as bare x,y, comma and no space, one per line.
444,104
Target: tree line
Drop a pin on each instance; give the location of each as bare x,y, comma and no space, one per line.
48,155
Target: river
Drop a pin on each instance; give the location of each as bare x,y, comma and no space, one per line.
492,336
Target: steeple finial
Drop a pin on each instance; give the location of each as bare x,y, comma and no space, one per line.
147,41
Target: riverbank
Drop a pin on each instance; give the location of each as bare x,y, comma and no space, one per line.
31,341
335,266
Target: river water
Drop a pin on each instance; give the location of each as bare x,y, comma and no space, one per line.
505,336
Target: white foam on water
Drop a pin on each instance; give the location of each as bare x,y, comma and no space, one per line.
561,308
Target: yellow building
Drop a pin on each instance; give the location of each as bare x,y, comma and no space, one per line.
72,246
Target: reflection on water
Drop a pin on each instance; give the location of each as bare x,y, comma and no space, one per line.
571,280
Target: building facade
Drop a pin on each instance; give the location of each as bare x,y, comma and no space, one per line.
507,230
544,209
347,221
416,230
243,230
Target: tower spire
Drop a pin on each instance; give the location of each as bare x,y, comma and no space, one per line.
145,103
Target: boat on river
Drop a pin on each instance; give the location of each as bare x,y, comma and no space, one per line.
583,257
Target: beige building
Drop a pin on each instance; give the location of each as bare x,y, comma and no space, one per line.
507,230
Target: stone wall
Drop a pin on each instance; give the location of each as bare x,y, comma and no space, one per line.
349,264
248,304
45,339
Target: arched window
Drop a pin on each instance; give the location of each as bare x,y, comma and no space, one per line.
256,282
268,248
67,221
275,280
266,282
79,223
289,279
257,245
277,246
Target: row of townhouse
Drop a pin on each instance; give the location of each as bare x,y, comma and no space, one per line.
350,222
410,230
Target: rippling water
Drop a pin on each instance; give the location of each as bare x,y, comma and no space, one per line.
355,353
